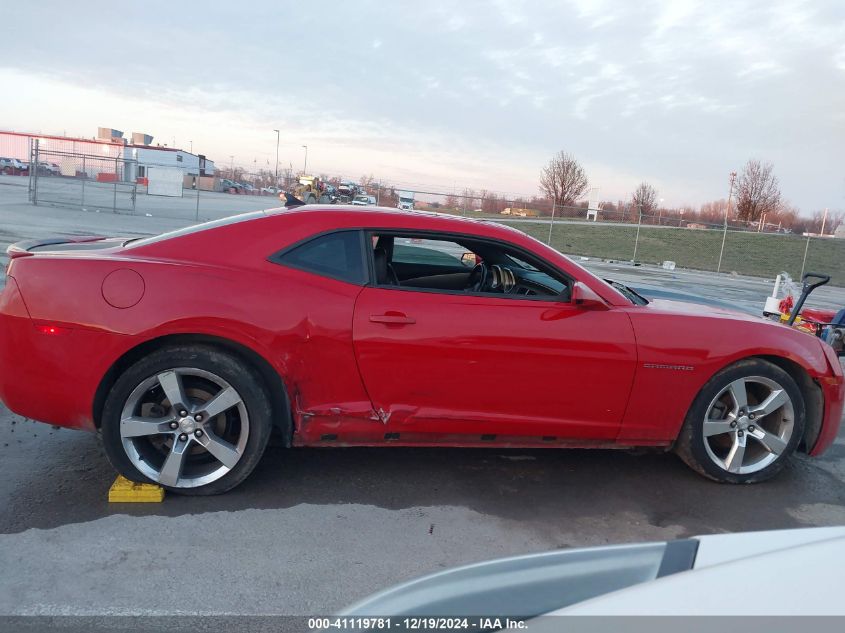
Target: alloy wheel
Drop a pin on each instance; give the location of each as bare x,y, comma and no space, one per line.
184,427
748,425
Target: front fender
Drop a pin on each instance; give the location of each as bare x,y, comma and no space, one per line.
677,355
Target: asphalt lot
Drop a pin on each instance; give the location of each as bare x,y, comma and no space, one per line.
313,530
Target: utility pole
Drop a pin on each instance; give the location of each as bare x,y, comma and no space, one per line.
277,158
232,166
725,232
192,146
824,221
305,168
637,238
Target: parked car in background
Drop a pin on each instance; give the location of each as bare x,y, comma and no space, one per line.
247,188
367,326
274,191
49,169
346,191
363,201
13,166
230,186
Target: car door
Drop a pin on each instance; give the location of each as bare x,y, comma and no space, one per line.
438,365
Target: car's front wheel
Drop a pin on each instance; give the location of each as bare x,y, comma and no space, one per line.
193,419
744,424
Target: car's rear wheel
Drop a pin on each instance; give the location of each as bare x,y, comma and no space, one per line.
744,424
193,419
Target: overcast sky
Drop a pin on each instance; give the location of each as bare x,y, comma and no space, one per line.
452,94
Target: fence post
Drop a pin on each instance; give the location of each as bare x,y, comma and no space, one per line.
197,213
725,230
114,203
29,191
34,173
134,191
551,221
637,238
804,261
84,177
722,250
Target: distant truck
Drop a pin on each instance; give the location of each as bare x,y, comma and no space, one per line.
406,200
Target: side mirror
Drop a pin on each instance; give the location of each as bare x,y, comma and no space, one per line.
469,259
585,297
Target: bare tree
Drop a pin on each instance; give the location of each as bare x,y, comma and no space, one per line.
757,191
367,182
814,225
644,199
563,180
388,196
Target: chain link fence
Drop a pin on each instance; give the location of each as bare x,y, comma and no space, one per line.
84,180
658,238
120,184
623,234
745,252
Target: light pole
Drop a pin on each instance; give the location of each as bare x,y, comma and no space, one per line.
232,166
192,146
305,168
725,231
277,158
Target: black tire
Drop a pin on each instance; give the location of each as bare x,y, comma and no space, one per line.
240,375
690,445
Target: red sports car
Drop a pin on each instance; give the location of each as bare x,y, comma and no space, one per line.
339,326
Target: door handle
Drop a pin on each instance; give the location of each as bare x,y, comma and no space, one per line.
392,319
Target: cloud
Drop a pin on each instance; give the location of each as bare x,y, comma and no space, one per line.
673,92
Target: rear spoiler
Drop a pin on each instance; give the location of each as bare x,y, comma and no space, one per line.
22,249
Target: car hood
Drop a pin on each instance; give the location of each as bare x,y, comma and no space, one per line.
689,308
650,293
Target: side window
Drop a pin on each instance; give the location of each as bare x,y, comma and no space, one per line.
407,250
474,266
337,255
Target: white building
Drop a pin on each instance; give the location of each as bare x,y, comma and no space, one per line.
146,156
135,158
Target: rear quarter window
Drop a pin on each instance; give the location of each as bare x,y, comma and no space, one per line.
337,255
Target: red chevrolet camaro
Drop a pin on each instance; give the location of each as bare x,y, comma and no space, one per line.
337,326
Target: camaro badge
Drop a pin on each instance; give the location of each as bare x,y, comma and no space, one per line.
677,367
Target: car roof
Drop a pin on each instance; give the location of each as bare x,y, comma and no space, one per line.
369,216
